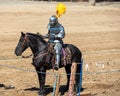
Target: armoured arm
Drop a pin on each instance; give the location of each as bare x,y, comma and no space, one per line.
61,34
46,36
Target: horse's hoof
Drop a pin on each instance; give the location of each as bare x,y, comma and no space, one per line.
41,95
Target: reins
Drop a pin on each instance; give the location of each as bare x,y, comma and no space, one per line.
27,56
39,56
34,56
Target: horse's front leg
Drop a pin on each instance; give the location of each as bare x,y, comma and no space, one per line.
41,77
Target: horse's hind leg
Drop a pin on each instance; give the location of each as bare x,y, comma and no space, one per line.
68,71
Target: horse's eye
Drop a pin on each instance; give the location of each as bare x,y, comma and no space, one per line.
21,40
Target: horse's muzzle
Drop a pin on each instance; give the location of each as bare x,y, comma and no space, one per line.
17,53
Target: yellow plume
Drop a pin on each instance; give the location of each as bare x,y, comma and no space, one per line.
60,9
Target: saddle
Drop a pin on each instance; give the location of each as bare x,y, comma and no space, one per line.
65,54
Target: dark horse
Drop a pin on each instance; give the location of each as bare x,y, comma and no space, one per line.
39,48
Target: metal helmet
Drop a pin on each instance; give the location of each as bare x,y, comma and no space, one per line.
53,21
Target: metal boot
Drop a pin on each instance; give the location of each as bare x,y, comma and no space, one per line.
56,66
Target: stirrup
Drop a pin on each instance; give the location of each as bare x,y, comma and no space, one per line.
56,66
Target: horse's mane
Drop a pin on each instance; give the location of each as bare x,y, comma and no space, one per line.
37,36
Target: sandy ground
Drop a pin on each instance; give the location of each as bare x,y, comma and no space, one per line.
90,28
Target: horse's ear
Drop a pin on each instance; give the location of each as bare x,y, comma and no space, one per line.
23,34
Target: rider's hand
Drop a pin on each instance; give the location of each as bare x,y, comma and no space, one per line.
52,36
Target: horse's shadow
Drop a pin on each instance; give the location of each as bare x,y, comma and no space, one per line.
48,89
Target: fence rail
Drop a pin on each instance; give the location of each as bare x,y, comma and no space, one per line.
30,70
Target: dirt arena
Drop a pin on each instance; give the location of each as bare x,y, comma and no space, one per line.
90,28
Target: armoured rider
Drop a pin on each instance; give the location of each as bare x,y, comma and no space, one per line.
55,34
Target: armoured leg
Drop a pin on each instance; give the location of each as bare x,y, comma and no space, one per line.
58,59
57,51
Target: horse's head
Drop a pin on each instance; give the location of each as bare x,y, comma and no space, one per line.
23,44
34,41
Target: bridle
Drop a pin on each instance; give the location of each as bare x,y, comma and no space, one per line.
25,38
35,57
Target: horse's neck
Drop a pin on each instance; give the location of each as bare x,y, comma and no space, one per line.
37,46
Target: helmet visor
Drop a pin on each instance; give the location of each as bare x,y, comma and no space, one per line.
52,21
